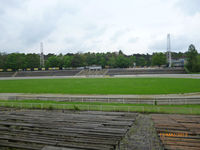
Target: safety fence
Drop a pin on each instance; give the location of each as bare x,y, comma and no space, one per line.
123,100
87,107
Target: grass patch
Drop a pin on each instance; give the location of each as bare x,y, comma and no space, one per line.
101,86
144,108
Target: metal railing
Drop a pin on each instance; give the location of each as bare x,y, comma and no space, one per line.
115,108
124,100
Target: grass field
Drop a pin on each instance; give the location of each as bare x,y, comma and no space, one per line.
144,108
101,86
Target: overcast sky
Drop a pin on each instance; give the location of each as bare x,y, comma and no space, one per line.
133,26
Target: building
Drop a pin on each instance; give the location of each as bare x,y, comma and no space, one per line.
178,62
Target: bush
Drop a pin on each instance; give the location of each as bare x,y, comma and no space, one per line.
50,107
76,108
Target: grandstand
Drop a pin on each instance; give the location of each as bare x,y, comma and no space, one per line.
136,71
88,72
47,73
6,74
92,72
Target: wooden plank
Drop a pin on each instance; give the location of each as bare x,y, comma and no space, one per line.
58,148
73,130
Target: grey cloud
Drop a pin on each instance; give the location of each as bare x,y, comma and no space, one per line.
70,40
119,33
133,39
95,32
23,31
4,4
9,6
189,6
179,43
57,22
34,32
91,32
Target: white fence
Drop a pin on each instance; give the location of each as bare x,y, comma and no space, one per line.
124,100
86,107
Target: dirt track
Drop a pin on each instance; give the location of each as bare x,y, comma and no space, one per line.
194,76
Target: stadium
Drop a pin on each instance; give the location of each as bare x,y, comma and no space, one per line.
97,108
108,77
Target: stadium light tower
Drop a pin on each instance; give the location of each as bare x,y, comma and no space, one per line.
41,55
169,58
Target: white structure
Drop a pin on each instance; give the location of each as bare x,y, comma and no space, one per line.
41,55
94,67
169,59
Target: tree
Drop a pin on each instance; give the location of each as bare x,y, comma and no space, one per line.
158,59
132,60
90,59
140,61
32,61
16,61
198,63
67,60
122,61
192,59
3,58
53,61
112,62
78,60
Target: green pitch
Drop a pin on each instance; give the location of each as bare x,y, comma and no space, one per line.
101,86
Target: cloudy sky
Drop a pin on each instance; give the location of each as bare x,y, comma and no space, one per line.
133,26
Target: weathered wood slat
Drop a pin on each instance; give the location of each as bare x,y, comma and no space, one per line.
72,130
4,143
175,147
178,131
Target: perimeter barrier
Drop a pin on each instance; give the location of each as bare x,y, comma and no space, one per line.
86,107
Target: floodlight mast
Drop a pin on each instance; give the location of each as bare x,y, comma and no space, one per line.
41,55
169,59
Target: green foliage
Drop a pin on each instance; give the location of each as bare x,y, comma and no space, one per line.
186,70
77,60
193,60
67,61
198,63
3,58
32,61
54,61
50,107
90,59
122,61
158,59
15,61
76,108
101,86
132,60
112,62
141,61
110,59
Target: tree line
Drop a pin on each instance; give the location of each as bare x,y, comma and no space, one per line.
110,59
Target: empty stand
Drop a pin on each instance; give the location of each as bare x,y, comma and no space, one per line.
47,73
86,72
37,129
145,71
92,72
6,74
